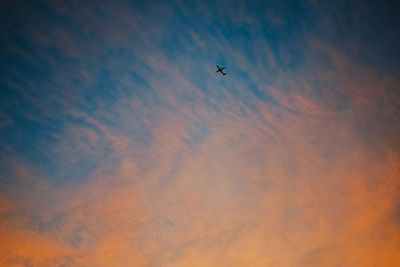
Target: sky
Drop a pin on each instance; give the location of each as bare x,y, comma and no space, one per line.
121,146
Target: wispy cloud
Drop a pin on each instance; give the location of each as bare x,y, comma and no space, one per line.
132,152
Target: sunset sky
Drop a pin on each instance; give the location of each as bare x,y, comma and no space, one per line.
121,146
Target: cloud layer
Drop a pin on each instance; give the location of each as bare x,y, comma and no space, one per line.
122,147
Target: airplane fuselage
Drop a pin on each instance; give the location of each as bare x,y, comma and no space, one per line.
220,70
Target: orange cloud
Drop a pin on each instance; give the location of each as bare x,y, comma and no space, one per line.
295,183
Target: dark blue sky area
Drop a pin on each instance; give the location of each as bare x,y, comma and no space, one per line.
58,57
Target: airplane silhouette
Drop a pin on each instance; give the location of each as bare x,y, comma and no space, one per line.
221,70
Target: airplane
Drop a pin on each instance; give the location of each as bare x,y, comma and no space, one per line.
221,70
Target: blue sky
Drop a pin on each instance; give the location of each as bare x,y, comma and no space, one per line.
105,105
